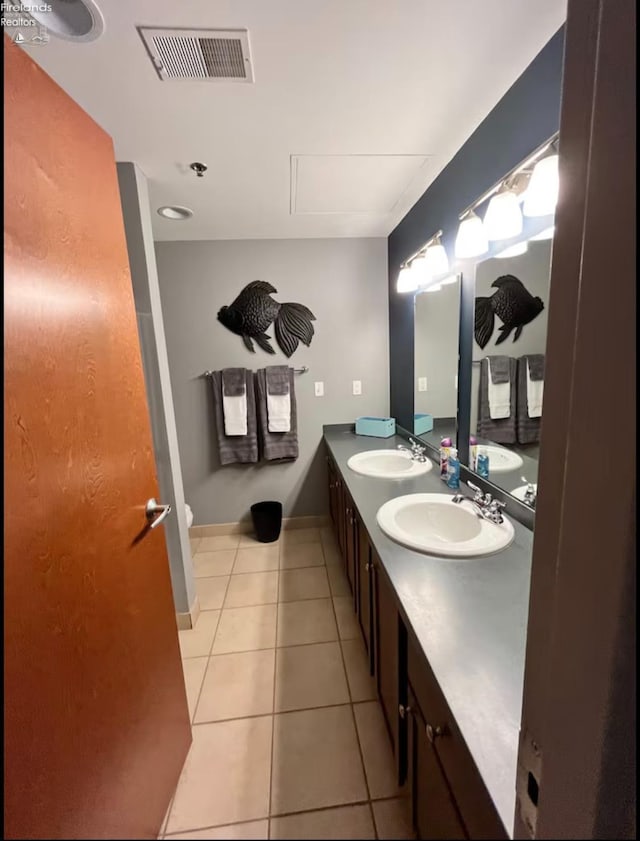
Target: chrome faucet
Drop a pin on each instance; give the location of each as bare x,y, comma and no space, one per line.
529,494
417,452
485,506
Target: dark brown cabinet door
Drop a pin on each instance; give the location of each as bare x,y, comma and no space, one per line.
364,593
333,495
386,649
435,815
351,541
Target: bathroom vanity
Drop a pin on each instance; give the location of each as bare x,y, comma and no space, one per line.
446,643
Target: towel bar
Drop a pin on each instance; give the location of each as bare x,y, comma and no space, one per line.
302,370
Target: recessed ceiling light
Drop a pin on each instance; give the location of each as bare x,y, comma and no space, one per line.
175,213
73,20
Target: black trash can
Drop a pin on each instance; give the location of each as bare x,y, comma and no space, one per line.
267,521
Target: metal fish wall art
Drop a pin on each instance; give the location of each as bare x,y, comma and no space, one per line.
512,303
254,311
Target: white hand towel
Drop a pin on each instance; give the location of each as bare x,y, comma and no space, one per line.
535,389
499,398
279,412
235,414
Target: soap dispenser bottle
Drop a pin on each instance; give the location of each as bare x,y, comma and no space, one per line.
453,470
482,466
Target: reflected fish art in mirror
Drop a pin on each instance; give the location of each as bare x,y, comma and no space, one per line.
254,311
514,305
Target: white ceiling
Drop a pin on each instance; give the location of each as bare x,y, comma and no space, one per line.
357,106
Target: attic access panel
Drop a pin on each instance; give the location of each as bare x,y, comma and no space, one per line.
214,55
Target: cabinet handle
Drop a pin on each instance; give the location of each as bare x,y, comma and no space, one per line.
367,566
403,710
434,732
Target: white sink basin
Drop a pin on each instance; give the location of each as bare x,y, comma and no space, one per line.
388,464
520,492
501,460
434,524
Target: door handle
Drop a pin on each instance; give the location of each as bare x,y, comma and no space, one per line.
156,513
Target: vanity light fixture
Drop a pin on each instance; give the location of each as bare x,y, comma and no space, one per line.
420,272
406,280
546,234
471,240
175,212
436,256
514,250
436,287
542,193
503,219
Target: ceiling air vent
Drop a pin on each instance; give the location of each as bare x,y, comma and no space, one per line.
217,55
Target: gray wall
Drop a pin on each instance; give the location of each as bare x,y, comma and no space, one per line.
437,319
344,283
534,270
136,212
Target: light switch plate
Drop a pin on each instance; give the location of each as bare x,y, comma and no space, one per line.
422,383
319,389
357,387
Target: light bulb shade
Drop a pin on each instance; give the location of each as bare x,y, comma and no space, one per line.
542,192
546,234
437,260
471,240
503,218
514,250
420,271
406,280
435,288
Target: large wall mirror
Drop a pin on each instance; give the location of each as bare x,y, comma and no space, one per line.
436,341
508,363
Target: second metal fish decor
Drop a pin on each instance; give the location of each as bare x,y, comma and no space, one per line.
253,312
513,305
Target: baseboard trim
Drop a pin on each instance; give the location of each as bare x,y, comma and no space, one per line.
186,621
245,526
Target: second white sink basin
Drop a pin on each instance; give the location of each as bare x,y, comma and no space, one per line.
434,524
501,460
388,464
520,492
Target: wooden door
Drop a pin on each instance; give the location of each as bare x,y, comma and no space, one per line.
96,720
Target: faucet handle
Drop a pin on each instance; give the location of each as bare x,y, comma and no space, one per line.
417,447
478,496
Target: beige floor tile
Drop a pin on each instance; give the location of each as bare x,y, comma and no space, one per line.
237,685
213,563
376,750
225,778
251,540
252,831
258,558
194,669
316,761
362,685
306,621
310,676
294,537
197,642
301,555
332,554
345,822
252,588
211,591
307,583
346,618
220,541
393,819
246,629
194,542
327,532
338,580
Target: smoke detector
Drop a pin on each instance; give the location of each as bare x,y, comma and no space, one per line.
216,55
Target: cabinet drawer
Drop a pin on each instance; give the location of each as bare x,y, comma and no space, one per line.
472,798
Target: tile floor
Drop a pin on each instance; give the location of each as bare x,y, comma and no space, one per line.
288,736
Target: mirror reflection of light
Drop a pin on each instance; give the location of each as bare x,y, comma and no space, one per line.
450,279
546,234
514,250
542,192
435,288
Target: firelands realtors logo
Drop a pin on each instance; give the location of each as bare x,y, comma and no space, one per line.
16,17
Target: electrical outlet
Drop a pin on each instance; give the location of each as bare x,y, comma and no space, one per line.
422,383
319,389
357,387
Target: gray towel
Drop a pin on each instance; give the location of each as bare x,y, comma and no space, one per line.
500,369
277,379
502,431
241,449
536,365
234,381
276,446
528,428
